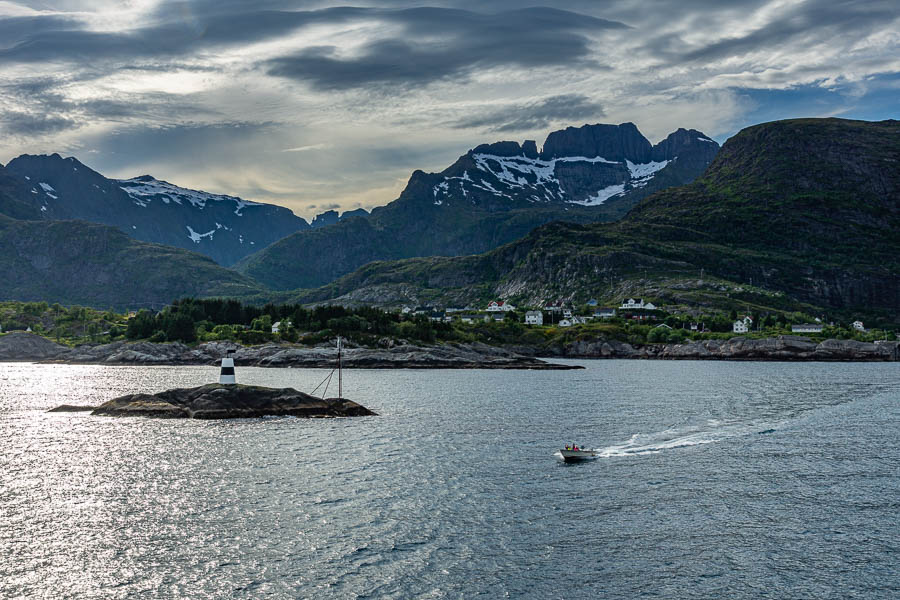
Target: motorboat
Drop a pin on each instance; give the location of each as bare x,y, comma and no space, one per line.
570,455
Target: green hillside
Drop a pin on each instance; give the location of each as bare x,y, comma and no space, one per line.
75,262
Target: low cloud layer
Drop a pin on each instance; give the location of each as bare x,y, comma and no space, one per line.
315,104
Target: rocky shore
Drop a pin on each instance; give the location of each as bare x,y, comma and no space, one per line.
785,347
217,401
30,347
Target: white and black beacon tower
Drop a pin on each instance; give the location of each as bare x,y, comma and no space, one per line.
226,375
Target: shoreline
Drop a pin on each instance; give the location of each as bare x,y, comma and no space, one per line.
784,348
28,347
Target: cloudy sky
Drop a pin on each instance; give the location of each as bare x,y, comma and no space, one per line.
314,105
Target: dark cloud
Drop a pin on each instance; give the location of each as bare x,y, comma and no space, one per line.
567,108
20,30
27,124
443,43
179,29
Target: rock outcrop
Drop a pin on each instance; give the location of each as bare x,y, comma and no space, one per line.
217,401
786,347
20,345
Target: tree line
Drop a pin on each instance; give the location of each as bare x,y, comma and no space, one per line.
191,319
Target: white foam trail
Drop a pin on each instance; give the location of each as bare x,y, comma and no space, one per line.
652,443
631,447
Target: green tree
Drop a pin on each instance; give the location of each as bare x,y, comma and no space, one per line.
263,323
180,327
141,326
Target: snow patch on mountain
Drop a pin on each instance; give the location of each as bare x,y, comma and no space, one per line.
48,189
601,196
196,237
144,189
537,178
640,171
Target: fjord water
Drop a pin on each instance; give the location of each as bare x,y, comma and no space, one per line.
716,480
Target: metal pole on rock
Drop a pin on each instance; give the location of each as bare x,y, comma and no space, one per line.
340,382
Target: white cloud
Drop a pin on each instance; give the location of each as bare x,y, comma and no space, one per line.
306,148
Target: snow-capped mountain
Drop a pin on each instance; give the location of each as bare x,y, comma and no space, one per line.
492,195
225,228
587,166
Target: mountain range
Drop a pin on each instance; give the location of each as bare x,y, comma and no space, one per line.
493,194
76,262
798,212
225,228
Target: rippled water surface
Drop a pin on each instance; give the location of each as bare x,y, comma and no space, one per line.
716,480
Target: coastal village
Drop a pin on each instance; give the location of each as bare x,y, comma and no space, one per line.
633,320
562,314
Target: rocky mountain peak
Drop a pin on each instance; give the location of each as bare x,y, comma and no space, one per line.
682,140
506,149
612,142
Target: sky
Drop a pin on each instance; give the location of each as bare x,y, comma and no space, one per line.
319,105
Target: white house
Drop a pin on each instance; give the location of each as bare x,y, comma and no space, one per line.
604,313
534,317
500,307
858,325
576,320
807,328
276,326
565,323
567,313
406,310
639,304
742,325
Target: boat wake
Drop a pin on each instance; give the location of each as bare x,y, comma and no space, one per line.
669,439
